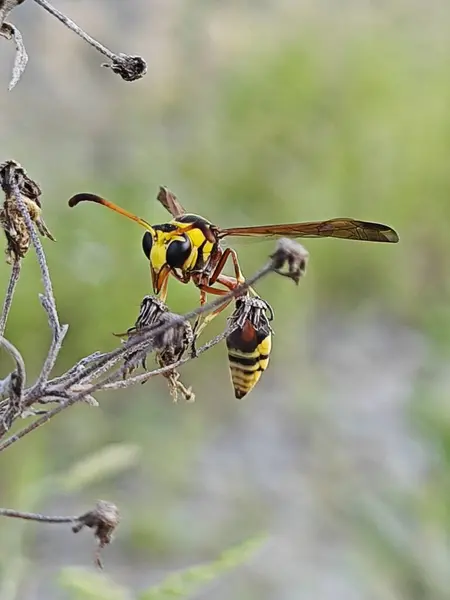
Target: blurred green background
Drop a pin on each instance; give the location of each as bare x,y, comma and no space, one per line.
252,113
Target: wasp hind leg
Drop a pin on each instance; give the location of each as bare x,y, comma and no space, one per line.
217,277
202,321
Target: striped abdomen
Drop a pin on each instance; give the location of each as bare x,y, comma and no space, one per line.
248,355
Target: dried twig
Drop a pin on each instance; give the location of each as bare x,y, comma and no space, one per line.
21,210
50,303
11,388
103,519
10,32
130,68
16,514
14,278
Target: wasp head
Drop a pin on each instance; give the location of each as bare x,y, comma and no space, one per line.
166,248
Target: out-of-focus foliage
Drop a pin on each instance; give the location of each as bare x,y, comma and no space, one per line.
250,113
183,584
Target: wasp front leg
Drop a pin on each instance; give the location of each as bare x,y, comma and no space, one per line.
218,277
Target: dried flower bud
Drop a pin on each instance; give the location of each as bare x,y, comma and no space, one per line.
128,67
11,217
104,519
169,345
292,255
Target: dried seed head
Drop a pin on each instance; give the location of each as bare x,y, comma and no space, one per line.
12,174
252,309
169,345
128,67
292,255
104,520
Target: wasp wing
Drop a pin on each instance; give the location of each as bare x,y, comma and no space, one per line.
170,202
348,229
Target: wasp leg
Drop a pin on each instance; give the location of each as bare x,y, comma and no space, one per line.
196,326
218,277
221,265
200,323
229,282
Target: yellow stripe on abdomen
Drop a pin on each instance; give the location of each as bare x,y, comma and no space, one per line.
246,367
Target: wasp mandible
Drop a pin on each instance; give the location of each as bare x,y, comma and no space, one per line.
189,246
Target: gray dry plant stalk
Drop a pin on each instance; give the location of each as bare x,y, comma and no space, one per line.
169,338
129,67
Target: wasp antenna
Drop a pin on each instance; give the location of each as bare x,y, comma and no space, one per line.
87,197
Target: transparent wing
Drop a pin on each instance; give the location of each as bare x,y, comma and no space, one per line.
348,229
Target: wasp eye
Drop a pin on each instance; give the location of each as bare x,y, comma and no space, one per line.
178,252
147,242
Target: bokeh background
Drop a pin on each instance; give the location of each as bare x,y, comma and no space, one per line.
252,113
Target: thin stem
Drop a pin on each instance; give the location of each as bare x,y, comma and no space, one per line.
55,347
102,364
20,364
13,279
41,421
10,32
16,514
79,367
39,252
130,68
76,29
162,370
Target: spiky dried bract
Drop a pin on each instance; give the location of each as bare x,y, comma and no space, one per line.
130,68
169,346
291,255
11,219
253,309
104,520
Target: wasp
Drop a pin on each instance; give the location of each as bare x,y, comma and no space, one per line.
189,249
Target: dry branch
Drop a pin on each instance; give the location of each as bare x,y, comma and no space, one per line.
103,520
129,67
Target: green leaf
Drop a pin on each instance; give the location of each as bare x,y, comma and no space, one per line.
83,584
183,584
